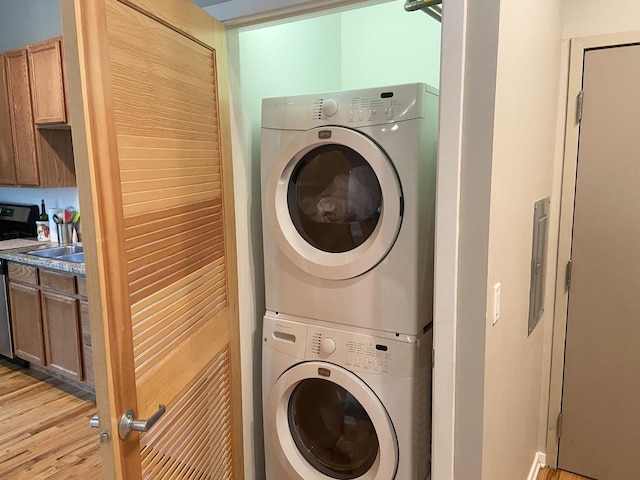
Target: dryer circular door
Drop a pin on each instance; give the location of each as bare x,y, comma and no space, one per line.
325,423
333,202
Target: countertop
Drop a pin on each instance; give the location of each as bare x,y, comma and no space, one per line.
20,255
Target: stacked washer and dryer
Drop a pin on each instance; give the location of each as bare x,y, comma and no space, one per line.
348,199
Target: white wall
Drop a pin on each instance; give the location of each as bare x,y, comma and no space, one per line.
304,56
510,107
522,172
587,17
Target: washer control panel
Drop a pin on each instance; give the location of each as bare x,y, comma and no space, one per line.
355,351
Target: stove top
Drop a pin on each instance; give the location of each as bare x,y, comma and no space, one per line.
13,235
18,220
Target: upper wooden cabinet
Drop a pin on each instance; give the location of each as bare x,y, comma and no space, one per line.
47,82
7,164
35,139
21,117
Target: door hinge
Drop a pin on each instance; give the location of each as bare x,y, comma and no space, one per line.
568,273
559,425
579,106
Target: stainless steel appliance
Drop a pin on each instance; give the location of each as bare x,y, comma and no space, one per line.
6,348
17,221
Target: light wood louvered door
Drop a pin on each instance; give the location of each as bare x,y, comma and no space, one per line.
149,113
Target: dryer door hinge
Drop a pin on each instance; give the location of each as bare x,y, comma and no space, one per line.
569,268
559,425
579,106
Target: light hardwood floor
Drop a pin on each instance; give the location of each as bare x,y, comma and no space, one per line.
551,474
44,428
45,434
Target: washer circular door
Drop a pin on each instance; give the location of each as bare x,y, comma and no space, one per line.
325,423
334,202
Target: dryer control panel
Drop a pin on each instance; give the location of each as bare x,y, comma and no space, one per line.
355,108
354,351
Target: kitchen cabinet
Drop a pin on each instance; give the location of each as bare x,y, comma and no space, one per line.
49,319
34,99
47,82
7,164
61,322
24,299
87,350
21,117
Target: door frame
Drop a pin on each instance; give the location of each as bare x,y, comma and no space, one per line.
445,441
577,48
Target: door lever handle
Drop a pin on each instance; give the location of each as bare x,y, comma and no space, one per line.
128,422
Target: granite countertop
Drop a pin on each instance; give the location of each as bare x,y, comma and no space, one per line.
20,255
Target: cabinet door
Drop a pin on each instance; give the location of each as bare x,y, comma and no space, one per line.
7,163
87,350
26,323
60,318
21,117
47,83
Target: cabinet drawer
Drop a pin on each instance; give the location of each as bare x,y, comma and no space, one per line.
58,281
20,272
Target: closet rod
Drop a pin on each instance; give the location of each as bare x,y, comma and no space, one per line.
430,7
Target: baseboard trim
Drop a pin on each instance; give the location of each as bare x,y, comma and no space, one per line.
539,461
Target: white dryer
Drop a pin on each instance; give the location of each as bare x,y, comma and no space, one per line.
344,405
348,194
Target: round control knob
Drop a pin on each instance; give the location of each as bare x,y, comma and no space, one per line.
327,346
330,107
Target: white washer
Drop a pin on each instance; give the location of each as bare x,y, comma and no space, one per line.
339,404
348,200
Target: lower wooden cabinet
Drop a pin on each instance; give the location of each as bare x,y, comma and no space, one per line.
61,322
49,319
28,341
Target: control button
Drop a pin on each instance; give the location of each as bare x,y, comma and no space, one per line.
330,107
385,366
390,113
349,359
327,347
367,363
360,117
372,114
351,115
375,364
358,362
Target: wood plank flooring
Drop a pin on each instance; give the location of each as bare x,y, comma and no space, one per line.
45,434
44,428
551,474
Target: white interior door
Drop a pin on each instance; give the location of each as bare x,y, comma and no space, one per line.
600,435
